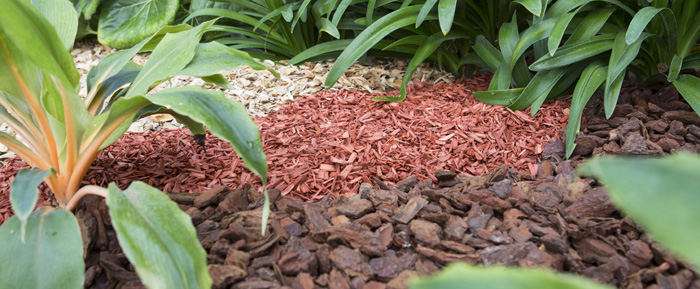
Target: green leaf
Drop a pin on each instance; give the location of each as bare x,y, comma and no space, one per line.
157,237
689,87
62,15
328,27
488,52
590,25
51,255
558,31
539,88
427,6
369,37
461,275
24,193
171,55
534,6
498,97
661,194
572,53
211,58
640,22
675,68
446,13
620,57
225,118
591,78
219,80
124,23
23,25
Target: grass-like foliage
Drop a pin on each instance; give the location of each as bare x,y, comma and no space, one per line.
583,46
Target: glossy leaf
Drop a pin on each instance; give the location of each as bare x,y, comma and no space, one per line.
124,23
689,87
427,6
558,32
639,23
62,15
157,237
328,27
591,79
573,53
24,193
534,6
51,255
498,97
488,52
211,58
620,57
462,275
538,89
661,194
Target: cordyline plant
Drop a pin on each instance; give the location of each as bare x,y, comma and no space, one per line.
60,135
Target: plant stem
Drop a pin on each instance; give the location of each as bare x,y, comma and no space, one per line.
89,189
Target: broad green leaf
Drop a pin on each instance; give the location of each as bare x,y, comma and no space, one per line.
446,13
675,68
225,118
157,237
108,87
689,87
24,193
620,57
590,25
212,58
572,53
462,275
427,6
369,37
171,55
661,194
498,97
591,78
611,94
86,7
640,22
23,25
51,255
123,23
539,88
218,79
534,6
62,15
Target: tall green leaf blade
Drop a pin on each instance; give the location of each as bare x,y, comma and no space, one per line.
590,25
157,237
498,97
227,119
24,192
23,25
640,22
369,37
427,6
51,255
446,13
572,53
675,68
689,87
171,55
591,78
534,6
558,32
212,58
488,52
124,23
462,275
62,15
328,27
660,194
621,56
539,88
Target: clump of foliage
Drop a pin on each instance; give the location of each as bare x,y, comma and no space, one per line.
661,194
582,46
60,135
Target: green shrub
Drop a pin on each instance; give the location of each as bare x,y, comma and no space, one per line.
60,135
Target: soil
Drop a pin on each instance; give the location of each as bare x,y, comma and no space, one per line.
382,234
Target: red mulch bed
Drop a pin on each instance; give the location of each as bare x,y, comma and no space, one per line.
331,142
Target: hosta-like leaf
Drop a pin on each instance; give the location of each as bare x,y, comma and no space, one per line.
51,255
157,237
124,23
688,86
462,275
24,193
62,15
660,194
591,78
